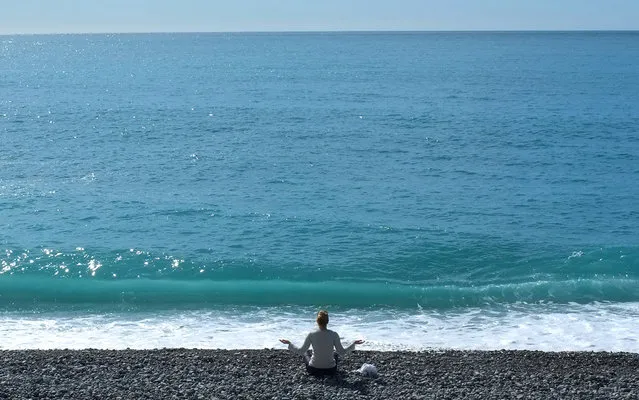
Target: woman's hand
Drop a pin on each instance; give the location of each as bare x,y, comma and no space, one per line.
359,341
285,341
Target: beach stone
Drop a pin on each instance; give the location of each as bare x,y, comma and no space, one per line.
268,374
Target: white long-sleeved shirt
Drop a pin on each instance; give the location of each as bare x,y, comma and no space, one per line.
323,342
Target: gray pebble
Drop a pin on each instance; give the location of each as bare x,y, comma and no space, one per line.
269,374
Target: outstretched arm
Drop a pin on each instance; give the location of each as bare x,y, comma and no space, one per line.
301,350
341,350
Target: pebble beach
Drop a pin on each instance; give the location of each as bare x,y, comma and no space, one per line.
279,374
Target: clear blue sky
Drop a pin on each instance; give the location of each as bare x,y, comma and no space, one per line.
56,16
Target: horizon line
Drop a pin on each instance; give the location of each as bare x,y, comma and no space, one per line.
311,31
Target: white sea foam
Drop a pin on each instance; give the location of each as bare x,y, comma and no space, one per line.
594,327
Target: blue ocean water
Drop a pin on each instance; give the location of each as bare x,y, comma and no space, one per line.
473,190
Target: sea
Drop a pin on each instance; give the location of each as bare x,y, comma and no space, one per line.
431,190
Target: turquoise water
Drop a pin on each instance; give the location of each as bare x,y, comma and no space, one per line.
384,176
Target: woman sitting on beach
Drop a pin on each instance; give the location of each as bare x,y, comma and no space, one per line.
321,360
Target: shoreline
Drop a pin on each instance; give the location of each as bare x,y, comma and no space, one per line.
280,374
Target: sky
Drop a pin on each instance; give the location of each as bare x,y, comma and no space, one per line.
84,16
